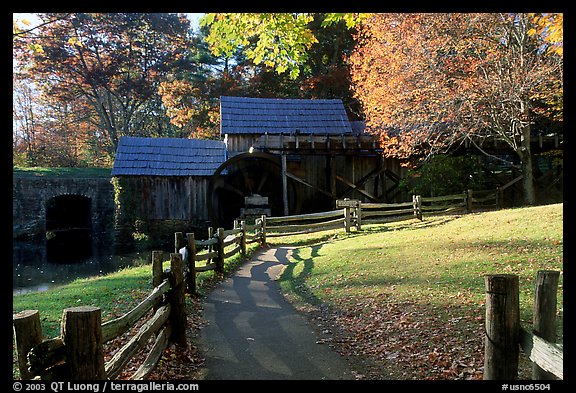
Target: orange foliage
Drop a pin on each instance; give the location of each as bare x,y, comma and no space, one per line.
427,81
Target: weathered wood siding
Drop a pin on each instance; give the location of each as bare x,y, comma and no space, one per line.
240,143
171,198
316,171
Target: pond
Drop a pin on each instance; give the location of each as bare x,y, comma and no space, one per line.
38,266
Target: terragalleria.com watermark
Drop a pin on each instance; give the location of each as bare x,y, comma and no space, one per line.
104,386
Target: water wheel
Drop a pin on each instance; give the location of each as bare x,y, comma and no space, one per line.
245,175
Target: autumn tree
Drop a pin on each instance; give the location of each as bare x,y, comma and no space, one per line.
25,124
427,82
112,62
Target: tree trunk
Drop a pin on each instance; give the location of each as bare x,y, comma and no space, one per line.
526,156
528,178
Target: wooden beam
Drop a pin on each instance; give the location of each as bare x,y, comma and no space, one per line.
284,185
333,176
291,176
357,188
359,183
548,356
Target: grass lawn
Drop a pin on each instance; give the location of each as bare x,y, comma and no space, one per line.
410,295
402,300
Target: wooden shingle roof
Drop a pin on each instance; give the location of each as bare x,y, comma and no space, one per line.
244,115
168,156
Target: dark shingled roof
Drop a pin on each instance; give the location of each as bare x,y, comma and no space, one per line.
168,156
244,115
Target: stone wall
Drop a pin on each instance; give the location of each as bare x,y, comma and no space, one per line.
30,197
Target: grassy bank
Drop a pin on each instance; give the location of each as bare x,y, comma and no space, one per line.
410,296
115,294
61,172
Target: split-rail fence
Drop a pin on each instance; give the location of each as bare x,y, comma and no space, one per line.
81,356
78,353
504,336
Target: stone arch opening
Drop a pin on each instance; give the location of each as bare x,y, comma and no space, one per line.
68,228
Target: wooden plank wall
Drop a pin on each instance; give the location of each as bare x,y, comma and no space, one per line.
172,198
315,170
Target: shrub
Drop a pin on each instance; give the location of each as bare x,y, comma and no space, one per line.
444,175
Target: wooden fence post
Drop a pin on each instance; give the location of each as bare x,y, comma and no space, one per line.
178,241
27,334
157,260
81,330
502,327
417,206
210,247
191,278
359,216
263,239
346,218
469,200
220,248
243,237
177,300
544,324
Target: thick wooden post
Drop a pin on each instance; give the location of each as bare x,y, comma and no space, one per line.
544,324
177,300
502,327
27,334
81,330
191,278
220,248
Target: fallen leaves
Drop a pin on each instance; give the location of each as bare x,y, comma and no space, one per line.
403,340
176,362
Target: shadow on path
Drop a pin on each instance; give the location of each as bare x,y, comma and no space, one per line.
253,333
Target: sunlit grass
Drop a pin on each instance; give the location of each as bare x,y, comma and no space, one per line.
441,260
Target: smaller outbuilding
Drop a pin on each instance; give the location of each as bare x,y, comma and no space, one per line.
161,186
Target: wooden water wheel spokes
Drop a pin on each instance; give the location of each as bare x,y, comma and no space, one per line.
245,175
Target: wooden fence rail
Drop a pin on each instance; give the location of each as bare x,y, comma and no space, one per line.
78,352
61,357
353,213
504,336
219,246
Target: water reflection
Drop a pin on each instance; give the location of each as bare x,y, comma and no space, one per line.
33,272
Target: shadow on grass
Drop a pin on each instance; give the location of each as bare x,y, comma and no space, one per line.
402,223
297,281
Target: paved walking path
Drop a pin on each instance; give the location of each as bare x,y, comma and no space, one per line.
255,334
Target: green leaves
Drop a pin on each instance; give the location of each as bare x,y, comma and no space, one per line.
277,40
351,19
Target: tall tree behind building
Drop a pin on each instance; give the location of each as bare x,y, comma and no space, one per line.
427,82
